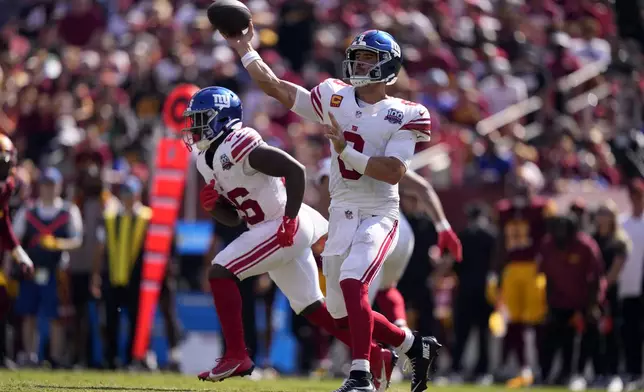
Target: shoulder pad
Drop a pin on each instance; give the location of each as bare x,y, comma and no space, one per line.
419,120
242,142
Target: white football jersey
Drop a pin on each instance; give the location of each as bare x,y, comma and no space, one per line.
388,128
257,196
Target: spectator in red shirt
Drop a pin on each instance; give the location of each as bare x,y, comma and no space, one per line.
572,265
83,21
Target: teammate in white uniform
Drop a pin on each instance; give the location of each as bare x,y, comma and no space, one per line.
264,186
364,212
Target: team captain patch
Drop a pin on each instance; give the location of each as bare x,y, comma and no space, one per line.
336,100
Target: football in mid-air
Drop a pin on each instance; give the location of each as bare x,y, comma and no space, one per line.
230,17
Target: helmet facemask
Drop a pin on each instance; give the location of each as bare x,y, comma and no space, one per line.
373,72
198,131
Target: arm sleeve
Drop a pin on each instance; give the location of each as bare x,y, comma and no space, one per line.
75,222
401,146
309,104
19,224
420,124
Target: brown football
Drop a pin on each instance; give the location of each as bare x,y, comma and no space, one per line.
230,17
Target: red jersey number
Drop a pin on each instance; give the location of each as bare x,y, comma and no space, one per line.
358,145
253,213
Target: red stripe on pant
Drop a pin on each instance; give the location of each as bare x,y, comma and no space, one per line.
371,272
260,253
245,255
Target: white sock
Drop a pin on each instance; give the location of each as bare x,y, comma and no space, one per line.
175,354
407,343
361,365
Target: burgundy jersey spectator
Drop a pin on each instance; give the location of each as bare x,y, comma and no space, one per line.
577,10
572,268
7,237
83,21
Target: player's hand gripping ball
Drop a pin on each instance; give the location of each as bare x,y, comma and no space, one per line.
230,17
286,232
208,196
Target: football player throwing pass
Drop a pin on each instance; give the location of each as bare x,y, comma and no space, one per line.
373,138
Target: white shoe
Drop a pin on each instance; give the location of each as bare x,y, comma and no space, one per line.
616,385
577,384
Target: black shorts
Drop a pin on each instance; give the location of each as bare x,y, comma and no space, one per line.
80,289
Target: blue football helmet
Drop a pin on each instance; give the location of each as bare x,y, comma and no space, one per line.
213,112
386,68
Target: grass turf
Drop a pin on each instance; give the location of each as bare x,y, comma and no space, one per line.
59,381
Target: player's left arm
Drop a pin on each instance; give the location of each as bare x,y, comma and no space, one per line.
427,194
277,163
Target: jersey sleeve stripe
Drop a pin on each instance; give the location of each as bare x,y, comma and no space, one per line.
248,149
422,128
241,136
317,102
248,140
420,121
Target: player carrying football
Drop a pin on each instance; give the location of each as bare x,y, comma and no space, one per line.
266,186
522,222
364,209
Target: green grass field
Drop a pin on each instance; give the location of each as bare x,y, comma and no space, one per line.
59,381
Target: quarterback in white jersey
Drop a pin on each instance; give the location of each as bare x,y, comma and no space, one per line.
373,138
246,179
383,287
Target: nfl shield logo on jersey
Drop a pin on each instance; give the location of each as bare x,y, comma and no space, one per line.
394,116
226,164
348,214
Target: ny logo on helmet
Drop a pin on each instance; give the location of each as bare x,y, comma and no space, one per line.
395,49
221,101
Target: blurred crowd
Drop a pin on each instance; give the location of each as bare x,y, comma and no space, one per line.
83,82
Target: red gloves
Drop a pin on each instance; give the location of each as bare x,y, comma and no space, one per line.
208,196
286,231
447,239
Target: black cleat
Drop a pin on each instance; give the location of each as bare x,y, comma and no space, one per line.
357,382
422,357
